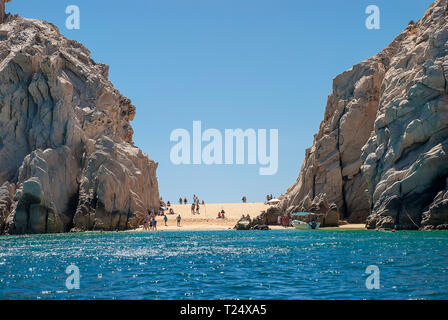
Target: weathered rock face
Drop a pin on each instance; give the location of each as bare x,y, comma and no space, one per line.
381,151
2,10
331,168
67,160
405,159
436,216
6,195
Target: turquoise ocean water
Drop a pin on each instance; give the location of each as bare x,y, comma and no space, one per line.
287,264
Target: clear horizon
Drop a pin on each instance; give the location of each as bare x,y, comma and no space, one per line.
251,64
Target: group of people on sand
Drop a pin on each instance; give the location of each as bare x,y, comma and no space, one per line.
283,221
150,222
195,208
221,214
195,205
164,207
195,200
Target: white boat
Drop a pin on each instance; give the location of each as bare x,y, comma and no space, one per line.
300,225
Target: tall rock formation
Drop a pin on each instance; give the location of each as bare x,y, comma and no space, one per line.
331,167
2,11
381,151
405,161
67,160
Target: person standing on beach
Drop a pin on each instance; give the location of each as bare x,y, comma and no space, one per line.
154,224
180,200
185,200
285,221
165,219
146,223
178,220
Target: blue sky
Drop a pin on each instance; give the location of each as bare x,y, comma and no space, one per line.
231,64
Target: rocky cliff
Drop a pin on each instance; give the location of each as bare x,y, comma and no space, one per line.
381,151
67,160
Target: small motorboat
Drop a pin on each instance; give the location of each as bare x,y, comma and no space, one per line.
300,225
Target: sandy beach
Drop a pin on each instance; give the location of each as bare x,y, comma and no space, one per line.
207,219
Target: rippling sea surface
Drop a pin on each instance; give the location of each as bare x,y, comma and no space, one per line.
287,264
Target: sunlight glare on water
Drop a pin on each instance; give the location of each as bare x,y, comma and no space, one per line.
281,264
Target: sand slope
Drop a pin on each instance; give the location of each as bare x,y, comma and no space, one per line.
207,219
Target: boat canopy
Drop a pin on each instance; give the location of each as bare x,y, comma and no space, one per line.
301,213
